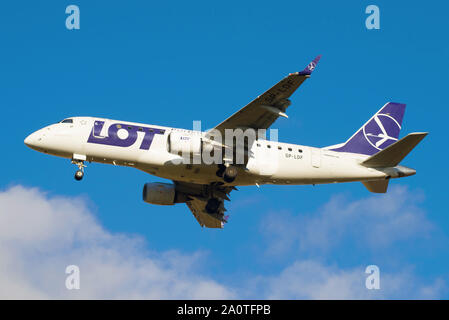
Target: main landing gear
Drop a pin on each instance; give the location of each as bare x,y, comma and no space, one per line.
212,205
79,174
228,173
216,193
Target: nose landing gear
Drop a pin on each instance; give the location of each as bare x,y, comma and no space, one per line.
79,174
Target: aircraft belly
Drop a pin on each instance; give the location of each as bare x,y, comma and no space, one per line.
331,169
201,174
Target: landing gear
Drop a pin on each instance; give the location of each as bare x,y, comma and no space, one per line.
221,170
212,205
79,174
228,173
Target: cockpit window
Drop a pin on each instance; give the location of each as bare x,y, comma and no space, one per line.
67,121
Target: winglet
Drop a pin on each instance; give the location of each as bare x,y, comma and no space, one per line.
310,67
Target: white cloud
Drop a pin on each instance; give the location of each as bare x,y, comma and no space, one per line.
40,236
310,279
373,222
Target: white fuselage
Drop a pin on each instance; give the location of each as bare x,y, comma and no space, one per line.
270,162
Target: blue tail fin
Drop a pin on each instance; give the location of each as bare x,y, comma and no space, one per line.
378,133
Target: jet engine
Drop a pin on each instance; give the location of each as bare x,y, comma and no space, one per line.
162,194
184,143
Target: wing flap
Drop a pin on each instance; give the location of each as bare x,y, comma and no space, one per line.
197,196
205,219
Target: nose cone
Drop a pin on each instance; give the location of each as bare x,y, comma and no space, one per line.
29,140
32,140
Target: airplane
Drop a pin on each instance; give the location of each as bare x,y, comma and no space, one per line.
371,155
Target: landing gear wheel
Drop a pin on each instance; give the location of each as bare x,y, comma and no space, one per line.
212,205
220,171
79,175
230,174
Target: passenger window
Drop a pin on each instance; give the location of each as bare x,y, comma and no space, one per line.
279,148
268,146
289,149
299,150
140,129
258,144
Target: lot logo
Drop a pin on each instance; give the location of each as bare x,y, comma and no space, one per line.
381,131
123,135
311,66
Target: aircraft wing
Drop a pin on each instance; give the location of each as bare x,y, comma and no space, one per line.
197,196
205,219
266,108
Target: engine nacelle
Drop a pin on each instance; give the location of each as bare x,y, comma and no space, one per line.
184,143
163,194
159,193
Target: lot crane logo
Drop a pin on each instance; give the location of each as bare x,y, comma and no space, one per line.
381,131
311,66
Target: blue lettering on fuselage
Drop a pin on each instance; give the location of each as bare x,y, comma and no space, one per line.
113,138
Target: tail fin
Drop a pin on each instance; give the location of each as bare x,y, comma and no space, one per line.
378,133
393,154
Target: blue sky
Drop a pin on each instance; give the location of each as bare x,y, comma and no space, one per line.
170,64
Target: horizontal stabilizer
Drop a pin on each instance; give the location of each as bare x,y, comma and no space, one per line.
393,154
378,186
